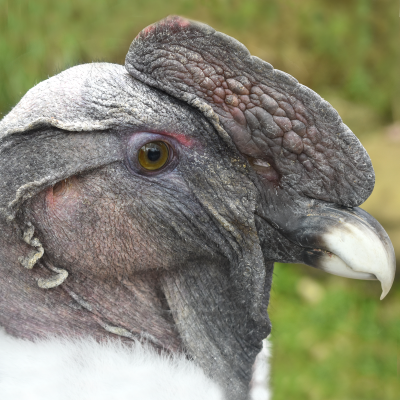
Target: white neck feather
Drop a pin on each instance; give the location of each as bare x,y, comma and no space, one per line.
66,369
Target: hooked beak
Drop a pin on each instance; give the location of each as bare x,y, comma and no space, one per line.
346,242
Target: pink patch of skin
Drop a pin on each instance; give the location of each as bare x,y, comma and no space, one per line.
182,22
146,31
63,194
179,137
171,23
50,198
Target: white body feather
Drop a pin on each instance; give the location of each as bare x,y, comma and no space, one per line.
65,369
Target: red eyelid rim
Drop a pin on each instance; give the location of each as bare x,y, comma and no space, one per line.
181,138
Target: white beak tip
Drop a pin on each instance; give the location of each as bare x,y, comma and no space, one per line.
386,289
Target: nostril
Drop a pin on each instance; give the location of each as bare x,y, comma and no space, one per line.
265,170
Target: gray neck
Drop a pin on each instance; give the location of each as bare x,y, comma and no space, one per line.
81,305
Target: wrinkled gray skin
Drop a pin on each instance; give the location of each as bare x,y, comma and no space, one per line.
182,257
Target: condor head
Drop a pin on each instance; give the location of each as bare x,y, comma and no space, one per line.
150,201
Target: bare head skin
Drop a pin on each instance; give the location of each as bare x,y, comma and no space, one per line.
257,169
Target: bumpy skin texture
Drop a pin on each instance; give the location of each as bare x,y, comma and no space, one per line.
182,258
267,113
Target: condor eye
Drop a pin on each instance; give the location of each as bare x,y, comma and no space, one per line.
153,156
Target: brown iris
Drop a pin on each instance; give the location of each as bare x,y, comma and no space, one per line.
153,156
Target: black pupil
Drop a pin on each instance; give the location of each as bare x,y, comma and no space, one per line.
153,154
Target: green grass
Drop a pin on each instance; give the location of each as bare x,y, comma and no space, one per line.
348,46
332,338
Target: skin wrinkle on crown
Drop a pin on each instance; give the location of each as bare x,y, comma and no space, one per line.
69,85
51,122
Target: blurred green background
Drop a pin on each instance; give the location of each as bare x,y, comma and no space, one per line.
332,338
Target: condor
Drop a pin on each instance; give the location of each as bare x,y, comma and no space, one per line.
149,202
